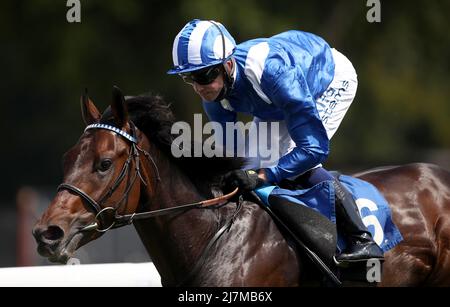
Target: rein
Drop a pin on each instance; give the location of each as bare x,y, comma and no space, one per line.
127,219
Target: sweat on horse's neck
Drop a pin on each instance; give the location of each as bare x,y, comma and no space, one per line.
174,242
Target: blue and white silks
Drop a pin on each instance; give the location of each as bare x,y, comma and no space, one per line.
280,78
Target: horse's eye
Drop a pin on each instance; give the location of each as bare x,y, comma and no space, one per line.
105,165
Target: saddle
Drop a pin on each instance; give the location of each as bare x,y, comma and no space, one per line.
313,234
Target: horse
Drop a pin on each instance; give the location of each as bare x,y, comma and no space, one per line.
126,168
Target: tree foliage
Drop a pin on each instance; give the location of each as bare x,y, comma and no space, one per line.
403,63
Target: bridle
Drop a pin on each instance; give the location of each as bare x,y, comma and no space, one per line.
127,219
97,206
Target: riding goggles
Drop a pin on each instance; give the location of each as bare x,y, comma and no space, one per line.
203,76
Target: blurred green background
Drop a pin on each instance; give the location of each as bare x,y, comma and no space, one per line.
400,115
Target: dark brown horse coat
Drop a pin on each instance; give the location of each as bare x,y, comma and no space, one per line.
253,252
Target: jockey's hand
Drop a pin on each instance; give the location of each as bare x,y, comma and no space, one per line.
245,180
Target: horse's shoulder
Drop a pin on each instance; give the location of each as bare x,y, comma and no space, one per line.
252,208
254,214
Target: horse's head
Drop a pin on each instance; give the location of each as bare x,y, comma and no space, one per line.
102,178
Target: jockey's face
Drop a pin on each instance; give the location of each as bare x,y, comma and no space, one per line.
209,92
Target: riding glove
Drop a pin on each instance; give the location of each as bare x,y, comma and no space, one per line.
245,180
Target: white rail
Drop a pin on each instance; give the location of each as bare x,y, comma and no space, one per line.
86,275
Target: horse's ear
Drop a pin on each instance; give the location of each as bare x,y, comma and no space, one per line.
89,111
118,107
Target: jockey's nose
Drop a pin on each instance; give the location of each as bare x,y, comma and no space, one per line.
48,235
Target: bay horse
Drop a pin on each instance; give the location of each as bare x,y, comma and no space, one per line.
127,165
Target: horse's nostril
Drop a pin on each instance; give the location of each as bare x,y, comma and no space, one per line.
52,233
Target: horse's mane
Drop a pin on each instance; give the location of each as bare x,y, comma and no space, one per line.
154,117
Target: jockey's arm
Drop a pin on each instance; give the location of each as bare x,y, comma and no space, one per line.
290,92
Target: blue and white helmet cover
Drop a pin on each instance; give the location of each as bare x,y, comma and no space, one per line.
199,44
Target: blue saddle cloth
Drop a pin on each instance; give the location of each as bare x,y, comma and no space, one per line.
373,207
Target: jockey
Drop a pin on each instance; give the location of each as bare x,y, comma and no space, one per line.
293,78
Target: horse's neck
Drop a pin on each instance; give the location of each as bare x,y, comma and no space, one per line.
174,242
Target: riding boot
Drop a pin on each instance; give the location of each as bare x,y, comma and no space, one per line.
361,246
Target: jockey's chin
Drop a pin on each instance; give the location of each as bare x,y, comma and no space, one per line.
210,91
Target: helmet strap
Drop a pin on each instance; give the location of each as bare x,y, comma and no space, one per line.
222,94
228,82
